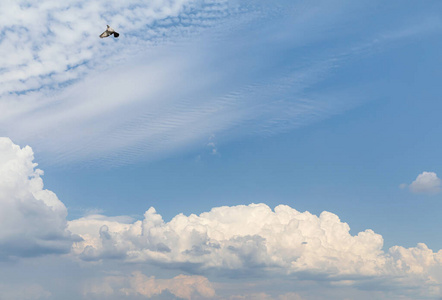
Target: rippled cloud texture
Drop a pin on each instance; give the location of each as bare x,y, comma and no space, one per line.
181,71
231,242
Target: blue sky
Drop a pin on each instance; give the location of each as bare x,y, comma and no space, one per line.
215,113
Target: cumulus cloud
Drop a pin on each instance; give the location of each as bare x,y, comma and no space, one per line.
230,241
237,238
182,286
248,240
254,238
425,183
33,219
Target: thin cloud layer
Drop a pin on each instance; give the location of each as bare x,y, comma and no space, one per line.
138,284
49,46
180,72
49,43
158,88
180,287
33,220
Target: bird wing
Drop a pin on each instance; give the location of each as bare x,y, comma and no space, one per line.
105,34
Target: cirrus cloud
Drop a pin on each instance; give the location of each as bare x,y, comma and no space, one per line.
181,71
228,241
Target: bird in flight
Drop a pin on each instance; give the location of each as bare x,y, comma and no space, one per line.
109,31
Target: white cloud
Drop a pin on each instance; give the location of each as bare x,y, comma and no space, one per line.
426,183
33,220
181,286
254,238
238,238
49,43
147,99
228,241
180,71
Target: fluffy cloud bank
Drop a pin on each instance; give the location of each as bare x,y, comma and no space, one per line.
236,238
33,220
257,238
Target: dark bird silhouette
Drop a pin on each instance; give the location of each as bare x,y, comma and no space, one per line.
109,31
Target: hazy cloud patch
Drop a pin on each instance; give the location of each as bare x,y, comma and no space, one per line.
23,292
138,284
425,183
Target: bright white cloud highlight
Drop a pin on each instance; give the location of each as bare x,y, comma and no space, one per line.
426,183
182,286
33,220
255,238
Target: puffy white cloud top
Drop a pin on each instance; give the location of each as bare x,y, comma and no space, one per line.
33,220
254,237
427,183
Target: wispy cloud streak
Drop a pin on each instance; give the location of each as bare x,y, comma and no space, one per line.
189,70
